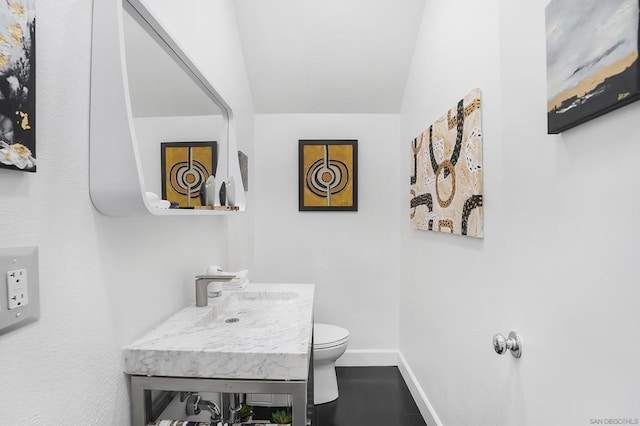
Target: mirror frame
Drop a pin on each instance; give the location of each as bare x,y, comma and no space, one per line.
116,182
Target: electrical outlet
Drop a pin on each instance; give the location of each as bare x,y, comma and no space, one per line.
17,289
20,302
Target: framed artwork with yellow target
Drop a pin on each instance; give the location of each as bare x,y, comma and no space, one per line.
185,167
328,175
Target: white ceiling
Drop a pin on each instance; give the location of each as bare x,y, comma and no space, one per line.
328,56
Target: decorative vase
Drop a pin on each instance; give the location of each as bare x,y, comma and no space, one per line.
231,191
210,191
223,194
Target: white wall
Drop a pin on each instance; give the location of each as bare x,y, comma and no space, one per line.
352,257
103,280
558,259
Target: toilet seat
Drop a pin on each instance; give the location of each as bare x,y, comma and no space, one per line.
327,336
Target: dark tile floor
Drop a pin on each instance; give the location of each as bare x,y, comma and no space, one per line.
369,396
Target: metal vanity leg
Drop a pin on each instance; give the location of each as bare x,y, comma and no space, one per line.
310,396
300,404
138,403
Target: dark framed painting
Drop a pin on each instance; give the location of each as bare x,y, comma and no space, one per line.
18,85
185,167
592,59
328,175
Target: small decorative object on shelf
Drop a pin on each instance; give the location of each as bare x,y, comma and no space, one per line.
230,191
223,194
220,208
208,192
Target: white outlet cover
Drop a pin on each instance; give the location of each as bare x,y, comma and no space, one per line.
17,288
17,313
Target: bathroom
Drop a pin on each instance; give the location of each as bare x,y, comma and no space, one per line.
553,264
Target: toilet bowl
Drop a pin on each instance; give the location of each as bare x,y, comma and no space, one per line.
329,343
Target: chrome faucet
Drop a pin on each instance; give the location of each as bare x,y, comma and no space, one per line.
202,282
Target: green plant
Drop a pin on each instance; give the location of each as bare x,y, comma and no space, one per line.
281,417
246,411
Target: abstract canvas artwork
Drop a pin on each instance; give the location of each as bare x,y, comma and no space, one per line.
18,85
185,167
446,172
592,59
328,175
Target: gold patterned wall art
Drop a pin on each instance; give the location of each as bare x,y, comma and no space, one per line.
185,167
328,175
18,85
446,172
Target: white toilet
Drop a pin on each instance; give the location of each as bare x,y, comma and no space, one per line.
329,343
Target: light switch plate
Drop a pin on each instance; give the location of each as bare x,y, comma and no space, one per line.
19,297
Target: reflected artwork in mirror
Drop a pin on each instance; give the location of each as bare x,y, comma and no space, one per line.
243,159
186,166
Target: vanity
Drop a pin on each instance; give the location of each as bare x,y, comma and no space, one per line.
257,340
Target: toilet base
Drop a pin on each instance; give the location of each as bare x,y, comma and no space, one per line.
325,383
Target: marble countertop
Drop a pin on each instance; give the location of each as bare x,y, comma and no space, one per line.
271,339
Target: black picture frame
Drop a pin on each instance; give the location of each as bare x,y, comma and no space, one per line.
328,173
198,168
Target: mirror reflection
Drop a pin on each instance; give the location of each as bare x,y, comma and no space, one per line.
180,128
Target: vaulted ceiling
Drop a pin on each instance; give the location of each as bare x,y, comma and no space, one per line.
328,56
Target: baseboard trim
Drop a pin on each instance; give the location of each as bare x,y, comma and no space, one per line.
424,405
368,358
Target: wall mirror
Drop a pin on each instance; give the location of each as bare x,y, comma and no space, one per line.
147,98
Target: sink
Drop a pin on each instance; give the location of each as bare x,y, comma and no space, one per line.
266,296
262,332
255,309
